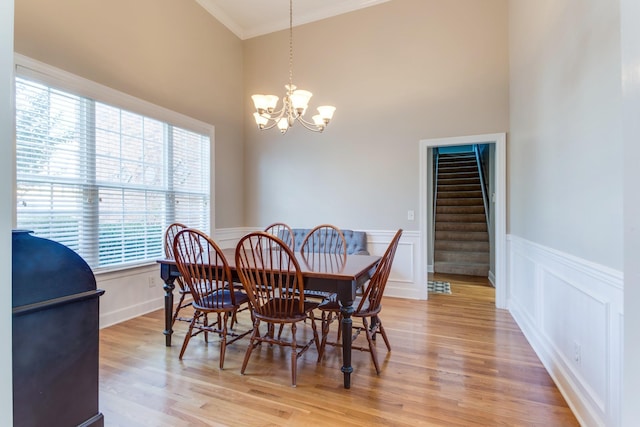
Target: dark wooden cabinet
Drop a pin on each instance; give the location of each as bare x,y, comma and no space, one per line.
55,335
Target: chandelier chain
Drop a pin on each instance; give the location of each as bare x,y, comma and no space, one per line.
294,103
290,43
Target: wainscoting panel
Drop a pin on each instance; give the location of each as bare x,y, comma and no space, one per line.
523,289
404,277
571,312
130,293
229,237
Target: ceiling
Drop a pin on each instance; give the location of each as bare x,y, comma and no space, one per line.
251,18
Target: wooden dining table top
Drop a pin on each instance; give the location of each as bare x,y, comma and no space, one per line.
317,265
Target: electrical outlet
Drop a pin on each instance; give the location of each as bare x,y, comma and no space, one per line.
410,215
152,282
577,353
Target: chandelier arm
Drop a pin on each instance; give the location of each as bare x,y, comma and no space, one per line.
273,120
271,126
310,126
277,115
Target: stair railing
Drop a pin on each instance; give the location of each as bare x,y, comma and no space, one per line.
485,196
436,157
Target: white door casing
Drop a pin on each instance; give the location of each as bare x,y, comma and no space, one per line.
500,207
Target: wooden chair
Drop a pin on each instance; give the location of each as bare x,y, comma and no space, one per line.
271,277
322,241
320,261
324,238
368,308
183,290
206,272
283,232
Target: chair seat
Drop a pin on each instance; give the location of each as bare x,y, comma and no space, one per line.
221,298
308,293
276,315
334,305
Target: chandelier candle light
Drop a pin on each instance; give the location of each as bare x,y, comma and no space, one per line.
294,103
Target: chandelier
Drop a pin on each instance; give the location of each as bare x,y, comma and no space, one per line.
294,103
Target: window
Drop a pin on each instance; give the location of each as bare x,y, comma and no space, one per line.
102,180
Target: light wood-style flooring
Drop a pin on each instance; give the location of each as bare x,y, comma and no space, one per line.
455,361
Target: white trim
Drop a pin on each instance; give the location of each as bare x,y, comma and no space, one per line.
7,210
266,26
302,18
560,301
219,14
500,205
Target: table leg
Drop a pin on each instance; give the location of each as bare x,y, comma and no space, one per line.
347,335
168,302
168,312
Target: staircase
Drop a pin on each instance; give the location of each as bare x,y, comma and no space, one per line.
461,237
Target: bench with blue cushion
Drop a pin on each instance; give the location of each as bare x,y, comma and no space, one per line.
356,240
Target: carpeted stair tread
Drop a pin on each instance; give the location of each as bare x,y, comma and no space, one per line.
455,217
461,201
469,269
467,180
457,175
459,187
462,245
461,226
462,257
460,209
459,194
476,236
461,241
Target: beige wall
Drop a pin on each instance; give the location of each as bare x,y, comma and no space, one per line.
398,73
171,53
565,142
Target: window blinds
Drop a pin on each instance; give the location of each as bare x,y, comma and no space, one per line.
104,181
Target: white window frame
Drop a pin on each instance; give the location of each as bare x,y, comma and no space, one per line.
31,69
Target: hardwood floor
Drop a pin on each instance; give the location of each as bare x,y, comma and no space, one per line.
455,361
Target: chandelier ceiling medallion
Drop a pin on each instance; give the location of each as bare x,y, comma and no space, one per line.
294,103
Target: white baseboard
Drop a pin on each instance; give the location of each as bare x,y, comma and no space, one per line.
131,311
571,312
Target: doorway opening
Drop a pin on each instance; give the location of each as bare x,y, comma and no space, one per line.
497,198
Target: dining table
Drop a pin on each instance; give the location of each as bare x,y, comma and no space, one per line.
340,274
